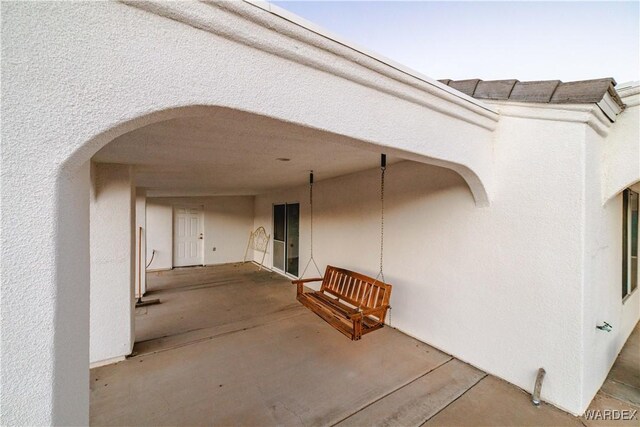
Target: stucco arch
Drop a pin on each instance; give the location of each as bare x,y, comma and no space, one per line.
613,193
250,60
84,153
621,165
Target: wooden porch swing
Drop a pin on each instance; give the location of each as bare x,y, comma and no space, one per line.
351,302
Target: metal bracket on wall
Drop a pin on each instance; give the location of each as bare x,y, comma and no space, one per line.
606,327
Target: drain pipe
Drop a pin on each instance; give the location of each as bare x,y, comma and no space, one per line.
535,398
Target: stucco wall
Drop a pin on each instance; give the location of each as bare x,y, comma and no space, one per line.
620,153
603,258
227,223
141,244
159,235
112,262
499,287
612,162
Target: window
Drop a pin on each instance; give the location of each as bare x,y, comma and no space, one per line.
629,242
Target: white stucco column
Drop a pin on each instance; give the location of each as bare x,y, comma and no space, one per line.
112,262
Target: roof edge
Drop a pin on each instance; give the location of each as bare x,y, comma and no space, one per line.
628,89
320,31
601,92
539,91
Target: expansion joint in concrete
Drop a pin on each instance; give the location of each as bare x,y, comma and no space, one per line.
454,400
395,390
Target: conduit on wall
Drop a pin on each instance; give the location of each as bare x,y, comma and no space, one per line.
140,302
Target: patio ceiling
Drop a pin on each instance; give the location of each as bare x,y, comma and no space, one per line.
230,152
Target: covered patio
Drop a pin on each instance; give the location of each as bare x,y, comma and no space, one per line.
230,345
502,223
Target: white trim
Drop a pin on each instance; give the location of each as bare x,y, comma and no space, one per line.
273,240
283,274
609,107
154,270
106,362
628,88
629,93
277,270
589,114
310,26
629,295
204,16
628,227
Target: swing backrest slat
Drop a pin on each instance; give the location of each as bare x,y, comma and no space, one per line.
356,289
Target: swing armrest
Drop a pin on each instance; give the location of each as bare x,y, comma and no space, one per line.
300,283
317,279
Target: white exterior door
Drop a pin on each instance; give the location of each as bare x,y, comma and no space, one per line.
187,236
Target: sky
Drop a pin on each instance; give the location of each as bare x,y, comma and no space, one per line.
491,40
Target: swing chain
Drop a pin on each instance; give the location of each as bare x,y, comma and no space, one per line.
311,214
311,259
383,168
382,171
380,275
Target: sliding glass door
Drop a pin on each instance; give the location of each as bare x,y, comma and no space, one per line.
286,234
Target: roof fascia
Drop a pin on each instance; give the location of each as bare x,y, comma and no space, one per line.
629,93
310,26
589,114
233,21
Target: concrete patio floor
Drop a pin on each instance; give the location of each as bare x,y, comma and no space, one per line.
230,345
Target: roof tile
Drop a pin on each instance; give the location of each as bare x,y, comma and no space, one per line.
465,86
536,91
544,91
495,89
585,91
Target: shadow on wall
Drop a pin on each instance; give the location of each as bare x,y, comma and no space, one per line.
347,214
406,183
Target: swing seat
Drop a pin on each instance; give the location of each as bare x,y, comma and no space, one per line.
351,302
